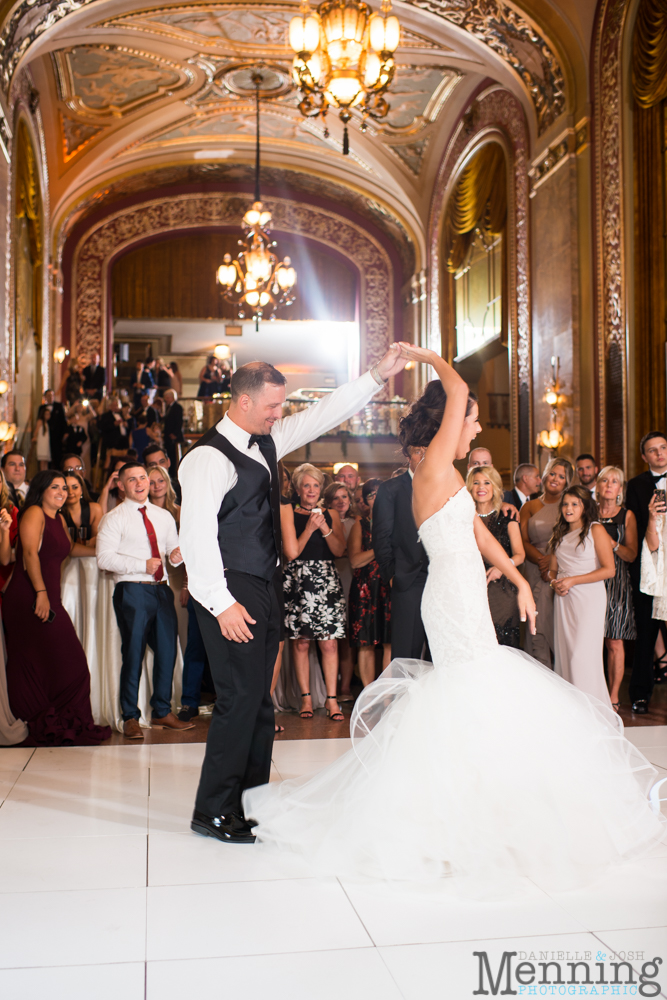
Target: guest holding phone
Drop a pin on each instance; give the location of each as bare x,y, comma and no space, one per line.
48,681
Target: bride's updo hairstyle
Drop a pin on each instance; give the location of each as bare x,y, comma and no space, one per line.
421,423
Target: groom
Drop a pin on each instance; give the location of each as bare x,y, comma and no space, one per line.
230,541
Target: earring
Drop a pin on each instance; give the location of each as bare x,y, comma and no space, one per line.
619,500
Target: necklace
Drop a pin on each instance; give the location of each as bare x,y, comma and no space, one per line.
486,515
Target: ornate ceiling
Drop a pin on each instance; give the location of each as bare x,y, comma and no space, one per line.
126,88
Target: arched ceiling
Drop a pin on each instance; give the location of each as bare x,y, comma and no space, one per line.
128,90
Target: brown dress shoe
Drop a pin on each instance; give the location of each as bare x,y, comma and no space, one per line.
171,722
132,730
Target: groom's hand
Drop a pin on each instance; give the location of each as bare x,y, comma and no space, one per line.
392,363
233,625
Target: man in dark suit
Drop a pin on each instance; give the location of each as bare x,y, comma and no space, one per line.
653,449
94,378
527,482
57,427
173,427
402,559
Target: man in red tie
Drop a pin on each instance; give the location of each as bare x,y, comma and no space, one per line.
133,541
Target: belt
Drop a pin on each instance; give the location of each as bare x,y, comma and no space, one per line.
147,583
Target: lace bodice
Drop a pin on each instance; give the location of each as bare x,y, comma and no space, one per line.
455,607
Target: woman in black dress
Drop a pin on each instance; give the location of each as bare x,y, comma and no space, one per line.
81,514
370,597
314,599
48,681
621,525
486,488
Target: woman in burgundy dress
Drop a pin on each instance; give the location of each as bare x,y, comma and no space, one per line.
48,681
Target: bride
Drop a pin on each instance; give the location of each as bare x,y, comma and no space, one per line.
484,764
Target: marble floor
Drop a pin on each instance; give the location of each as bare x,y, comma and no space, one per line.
105,894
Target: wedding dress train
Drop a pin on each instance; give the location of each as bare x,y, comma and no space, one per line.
484,764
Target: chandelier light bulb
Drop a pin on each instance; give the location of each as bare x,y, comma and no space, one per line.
226,273
4,428
304,33
551,397
252,298
345,89
4,386
384,33
372,67
264,298
264,219
259,267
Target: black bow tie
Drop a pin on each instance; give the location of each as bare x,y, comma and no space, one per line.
259,439
656,479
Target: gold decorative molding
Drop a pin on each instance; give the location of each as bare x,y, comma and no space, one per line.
76,135
571,142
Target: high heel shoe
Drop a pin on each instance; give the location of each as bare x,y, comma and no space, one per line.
334,716
305,713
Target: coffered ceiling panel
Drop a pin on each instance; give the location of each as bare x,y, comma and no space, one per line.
235,124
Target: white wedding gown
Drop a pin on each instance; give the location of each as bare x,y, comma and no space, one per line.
484,765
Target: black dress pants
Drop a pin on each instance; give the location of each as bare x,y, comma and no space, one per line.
240,738
641,679
408,635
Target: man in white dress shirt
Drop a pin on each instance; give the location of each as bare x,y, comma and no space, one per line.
230,537
132,543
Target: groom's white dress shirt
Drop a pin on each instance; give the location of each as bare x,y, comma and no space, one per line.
123,547
206,475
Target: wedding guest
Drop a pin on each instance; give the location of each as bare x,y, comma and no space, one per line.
587,472
75,436
94,378
73,463
173,427
581,558
479,456
13,467
114,429
146,409
161,494
339,498
400,555
139,387
486,488
176,378
370,596
162,376
640,490
156,454
42,438
161,491
314,599
209,378
48,680
527,482
348,476
73,387
139,436
82,516
12,730
8,537
538,518
133,543
112,493
57,426
621,525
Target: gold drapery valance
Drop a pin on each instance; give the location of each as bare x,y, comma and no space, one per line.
649,53
28,205
479,201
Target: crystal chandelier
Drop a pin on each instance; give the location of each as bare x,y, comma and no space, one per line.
344,59
256,281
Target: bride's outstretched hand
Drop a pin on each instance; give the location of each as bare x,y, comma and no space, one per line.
392,363
527,610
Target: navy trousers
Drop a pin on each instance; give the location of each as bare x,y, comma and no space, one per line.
240,737
194,660
146,616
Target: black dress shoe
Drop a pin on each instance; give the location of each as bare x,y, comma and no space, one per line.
187,712
231,829
640,707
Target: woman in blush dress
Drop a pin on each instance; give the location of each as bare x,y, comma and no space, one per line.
537,524
48,680
581,560
486,488
538,782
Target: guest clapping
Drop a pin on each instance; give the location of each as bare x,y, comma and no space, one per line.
538,518
82,515
581,558
48,679
314,599
370,596
621,525
486,488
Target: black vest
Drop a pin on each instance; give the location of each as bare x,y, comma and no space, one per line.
249,515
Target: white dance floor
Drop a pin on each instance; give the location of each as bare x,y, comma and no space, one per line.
105,893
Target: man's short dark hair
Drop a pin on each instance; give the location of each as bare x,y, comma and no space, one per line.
152,449
8,454
66,458
521,471
642,444
249,379
131,465
586,458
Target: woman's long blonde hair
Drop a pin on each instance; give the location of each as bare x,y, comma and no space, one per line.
170,497
494,478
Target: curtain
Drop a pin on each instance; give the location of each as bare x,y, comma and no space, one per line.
28,205
479,201
649,54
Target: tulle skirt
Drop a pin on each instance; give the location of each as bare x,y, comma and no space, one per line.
483,771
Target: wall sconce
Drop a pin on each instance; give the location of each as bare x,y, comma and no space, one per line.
552,439
222,351
60,354
4,386
7,431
